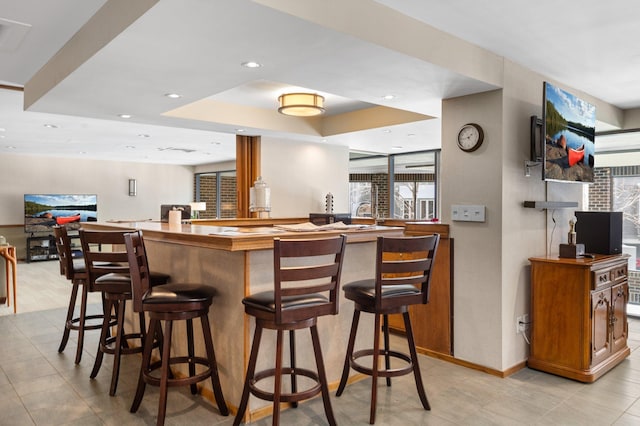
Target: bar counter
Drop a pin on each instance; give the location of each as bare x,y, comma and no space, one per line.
238,261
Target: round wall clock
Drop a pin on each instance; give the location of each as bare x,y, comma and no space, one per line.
470,137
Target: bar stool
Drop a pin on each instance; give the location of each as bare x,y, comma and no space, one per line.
74,270
108,272
402,278
306,286
169,303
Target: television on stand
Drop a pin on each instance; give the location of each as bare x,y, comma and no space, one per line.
564,139
44,211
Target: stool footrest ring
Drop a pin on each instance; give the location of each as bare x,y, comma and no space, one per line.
182,381
109,346
286,397
383,372
74,324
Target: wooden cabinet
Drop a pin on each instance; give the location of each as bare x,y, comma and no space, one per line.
579,315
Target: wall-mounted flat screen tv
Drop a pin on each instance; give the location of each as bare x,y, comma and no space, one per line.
44,211
569,128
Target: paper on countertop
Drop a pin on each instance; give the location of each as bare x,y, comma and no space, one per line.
310,227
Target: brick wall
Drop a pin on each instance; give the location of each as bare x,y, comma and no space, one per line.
600,190
208,186
228,197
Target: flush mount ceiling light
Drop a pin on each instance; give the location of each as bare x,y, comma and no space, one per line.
251,64
301,104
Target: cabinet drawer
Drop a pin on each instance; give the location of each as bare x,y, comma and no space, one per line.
601,278
619,273
609,276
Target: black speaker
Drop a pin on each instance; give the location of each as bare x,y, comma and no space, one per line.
600,232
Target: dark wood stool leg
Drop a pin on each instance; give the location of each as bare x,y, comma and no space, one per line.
211,356
191,352
82,323
67,323
375,369
387,358
164,371
104,334
251,369
117,346
277,386
348,356
292,357
146,362
414,360
324,386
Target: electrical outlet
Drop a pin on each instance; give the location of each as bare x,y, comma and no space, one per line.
522,323
519,325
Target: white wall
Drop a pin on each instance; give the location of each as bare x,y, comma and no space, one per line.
300,174
157,184
475,178
491,267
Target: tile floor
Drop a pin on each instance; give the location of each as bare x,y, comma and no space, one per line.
41,387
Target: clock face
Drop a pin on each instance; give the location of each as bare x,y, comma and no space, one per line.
470,137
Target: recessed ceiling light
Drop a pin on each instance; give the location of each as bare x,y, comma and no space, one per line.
173,95
386,131
251,64
388,97
50,126
239,130
11,147
130,147
2,129
215,143
1,136
144,135
396,147
411,135
124,115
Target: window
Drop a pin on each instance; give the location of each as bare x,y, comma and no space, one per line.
412,177
218,190
617,188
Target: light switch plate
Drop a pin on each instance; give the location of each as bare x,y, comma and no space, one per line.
467,213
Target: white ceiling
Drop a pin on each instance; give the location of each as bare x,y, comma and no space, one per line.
195,48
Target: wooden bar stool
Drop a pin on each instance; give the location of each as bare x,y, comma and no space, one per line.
169,303
75,271
403,273
108,272
306,286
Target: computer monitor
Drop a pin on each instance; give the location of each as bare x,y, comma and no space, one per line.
165,208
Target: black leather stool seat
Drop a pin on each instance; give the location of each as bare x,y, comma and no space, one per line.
121,283
266,301
178,295
367,289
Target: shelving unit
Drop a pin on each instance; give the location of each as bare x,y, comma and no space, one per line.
41,248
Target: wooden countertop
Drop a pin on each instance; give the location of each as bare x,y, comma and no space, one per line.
237,238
